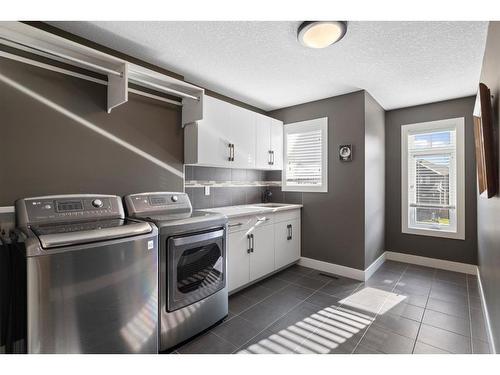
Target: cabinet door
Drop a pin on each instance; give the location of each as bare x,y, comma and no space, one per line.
287,242
277,143
213,133
262,257
262,141
238,260
242,135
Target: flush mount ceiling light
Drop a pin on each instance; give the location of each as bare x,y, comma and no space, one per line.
321,34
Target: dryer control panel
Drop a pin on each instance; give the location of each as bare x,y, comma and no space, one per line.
66,208
164,202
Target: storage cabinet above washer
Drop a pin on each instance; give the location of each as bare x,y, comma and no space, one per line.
233,137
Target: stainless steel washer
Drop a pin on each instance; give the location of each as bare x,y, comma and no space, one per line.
91,276
193,279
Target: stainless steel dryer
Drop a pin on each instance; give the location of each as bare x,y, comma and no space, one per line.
193,279
91,276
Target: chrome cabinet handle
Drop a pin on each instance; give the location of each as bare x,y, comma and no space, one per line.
269,157
272,155
289,234
249,238
232,157
229,158
253,243
234,225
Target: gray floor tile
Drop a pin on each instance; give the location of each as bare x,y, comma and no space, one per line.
268,342
445,287
393,266
256,293
323,300
301,269
450,276
323,276
307,282
480,347
386,341
266,312
447,322
412,299
459,310
237,331
416,281
365,350
297,291
420,271
239,303
339,289
421,348
207,344
398,324
288,275
407,310
273,283
299,317
443,339
412,289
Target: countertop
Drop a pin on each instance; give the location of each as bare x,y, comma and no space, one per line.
253,209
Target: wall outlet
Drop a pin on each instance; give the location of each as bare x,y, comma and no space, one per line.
207,190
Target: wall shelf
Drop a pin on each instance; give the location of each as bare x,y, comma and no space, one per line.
119,72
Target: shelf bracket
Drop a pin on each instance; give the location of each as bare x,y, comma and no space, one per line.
118,88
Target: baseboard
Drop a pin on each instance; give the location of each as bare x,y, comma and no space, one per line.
486,314
448,265
336,269
372,268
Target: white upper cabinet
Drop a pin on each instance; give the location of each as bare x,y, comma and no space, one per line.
233,137
269,143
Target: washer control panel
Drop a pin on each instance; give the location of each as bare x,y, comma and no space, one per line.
168,202
66,208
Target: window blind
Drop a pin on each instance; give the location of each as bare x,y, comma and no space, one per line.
304,158
432,178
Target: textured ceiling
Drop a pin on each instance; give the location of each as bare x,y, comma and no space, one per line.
261,63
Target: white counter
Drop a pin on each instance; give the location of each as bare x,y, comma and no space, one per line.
253,209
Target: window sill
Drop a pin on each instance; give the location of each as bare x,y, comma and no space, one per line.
435,233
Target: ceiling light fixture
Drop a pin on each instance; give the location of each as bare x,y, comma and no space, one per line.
321,34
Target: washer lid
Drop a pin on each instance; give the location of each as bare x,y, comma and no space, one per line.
57,235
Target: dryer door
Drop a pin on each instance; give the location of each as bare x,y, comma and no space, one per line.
196,267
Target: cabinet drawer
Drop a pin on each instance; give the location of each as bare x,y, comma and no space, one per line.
286,215
249,222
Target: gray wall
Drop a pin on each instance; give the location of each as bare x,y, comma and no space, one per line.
46,152
433,247
488,210
333,222
374,180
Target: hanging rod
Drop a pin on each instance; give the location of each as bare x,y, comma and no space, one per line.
65,57
80,75
162,88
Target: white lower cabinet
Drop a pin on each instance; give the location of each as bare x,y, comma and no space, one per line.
286,242
257,246
262,253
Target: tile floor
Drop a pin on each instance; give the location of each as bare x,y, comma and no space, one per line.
401,309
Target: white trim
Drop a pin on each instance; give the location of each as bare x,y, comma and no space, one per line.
458,124
491,340
432,262
304,126
336,269
372,268
7,210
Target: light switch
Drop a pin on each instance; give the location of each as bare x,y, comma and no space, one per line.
207,190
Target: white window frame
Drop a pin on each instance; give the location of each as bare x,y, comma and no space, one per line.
304,126
458,124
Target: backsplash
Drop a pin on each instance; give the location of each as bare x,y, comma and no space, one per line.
230,187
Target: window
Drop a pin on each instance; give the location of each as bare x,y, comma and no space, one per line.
433,178
306,155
